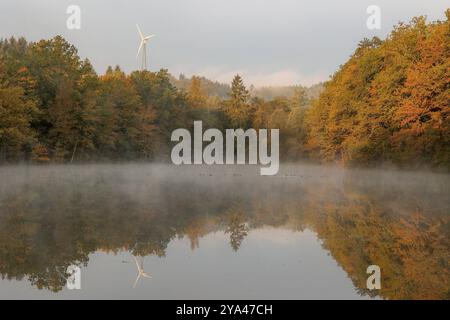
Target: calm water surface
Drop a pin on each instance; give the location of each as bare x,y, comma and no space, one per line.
222,232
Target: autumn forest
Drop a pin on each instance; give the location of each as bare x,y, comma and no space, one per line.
388,104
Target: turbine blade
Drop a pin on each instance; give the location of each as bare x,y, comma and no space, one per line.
137,279
140,33
149,37
146,275
137,264
139,51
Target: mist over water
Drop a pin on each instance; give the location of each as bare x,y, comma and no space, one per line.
223,231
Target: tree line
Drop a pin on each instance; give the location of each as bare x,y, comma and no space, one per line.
389,103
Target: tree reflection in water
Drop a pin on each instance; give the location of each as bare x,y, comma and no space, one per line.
54,217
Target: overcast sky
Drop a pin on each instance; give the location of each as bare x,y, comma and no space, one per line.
270,42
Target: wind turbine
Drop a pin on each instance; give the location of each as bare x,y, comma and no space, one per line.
141,272
143,45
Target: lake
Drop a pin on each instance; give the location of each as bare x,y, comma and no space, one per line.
154,231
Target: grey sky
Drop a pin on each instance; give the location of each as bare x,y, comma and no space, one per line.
275,42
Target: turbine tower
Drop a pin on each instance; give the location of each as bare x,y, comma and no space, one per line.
143,46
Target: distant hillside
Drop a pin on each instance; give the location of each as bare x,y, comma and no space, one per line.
270,93
211,88
221,90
